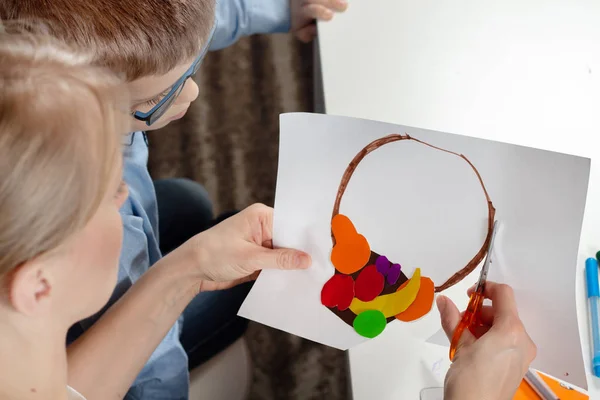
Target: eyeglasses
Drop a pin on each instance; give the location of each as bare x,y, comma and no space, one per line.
163,105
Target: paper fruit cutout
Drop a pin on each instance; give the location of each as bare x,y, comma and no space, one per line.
369,284
352,250
389,270
369,299
368,291
422,304
393,303
338,292
370,323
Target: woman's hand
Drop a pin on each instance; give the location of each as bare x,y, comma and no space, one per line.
235,250
492,366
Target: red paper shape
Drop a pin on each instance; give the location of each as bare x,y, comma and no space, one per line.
338,291
369,283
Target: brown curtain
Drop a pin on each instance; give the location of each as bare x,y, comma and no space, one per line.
228,141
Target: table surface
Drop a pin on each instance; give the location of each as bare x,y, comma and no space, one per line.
497,70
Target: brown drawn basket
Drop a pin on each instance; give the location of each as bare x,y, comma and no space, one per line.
347,315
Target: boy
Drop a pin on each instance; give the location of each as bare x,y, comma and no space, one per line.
156,45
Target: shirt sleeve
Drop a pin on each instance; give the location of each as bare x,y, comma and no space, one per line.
238,18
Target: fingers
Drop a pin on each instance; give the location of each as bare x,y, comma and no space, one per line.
449,315
335,5
307,34
305,12
259,219
502,296
286,259
504,308
479,330
484,323
259,227
487,315
292,259
503,299
318,12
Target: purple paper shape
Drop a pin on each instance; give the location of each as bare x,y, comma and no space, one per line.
393,274
383,265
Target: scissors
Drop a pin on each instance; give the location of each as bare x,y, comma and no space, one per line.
471,317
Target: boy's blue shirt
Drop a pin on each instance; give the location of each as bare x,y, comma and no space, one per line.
239,18
236,18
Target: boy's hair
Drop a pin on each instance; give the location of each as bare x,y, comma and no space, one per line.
135,38
61,127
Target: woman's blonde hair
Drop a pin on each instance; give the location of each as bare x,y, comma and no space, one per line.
61,121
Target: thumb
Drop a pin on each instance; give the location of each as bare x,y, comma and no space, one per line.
449,315
284,259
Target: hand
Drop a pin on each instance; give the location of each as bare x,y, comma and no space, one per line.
305,12
492,366
235,250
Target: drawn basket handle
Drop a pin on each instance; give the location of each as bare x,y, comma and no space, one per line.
374,145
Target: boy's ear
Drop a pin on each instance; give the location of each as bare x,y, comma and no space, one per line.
30,289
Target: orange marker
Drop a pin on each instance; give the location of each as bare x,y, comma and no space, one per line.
471,317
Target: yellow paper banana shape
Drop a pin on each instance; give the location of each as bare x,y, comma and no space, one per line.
393,303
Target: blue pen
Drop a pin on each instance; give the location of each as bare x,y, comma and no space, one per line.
593,292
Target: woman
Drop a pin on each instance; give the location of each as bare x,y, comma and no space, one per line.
60,193
61,127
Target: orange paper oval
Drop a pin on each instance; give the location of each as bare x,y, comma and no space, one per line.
349,257
422,304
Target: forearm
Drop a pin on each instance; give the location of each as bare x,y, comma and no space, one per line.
105,360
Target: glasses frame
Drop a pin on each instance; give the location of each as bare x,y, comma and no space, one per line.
159,109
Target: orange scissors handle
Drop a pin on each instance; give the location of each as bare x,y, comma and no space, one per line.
471,319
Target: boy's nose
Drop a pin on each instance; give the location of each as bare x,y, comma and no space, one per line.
189,92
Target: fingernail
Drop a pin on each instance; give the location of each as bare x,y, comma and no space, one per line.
301,261
441,304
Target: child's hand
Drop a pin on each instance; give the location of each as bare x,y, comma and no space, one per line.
305,12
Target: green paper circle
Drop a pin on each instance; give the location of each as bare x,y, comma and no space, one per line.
369,323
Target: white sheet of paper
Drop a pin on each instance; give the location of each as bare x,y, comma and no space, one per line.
439,338
425,208
432,394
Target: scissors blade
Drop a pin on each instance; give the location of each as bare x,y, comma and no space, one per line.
488,260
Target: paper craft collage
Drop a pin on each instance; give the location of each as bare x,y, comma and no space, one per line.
367,290
393,215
